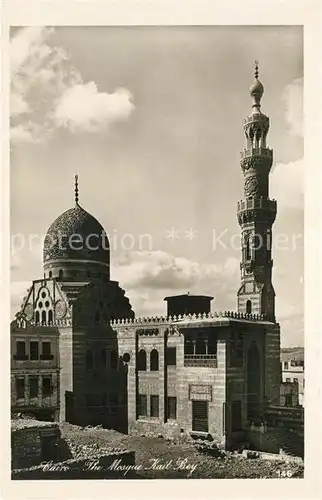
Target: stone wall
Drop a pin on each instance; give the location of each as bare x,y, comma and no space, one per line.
66,374
227,380
172,381
99,381
26,443
40,451
272,364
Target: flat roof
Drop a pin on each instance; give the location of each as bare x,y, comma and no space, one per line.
30,423
220,321
292,354
186,295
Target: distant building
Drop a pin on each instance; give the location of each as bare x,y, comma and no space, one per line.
292,367
35,368
79,353
289,395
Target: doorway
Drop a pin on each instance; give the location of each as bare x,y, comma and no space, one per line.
200,416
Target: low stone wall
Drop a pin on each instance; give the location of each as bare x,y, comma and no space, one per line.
172,431
278,457
277,441
155,428
42,450
112,466
26,441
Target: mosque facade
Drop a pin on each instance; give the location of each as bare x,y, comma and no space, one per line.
79,354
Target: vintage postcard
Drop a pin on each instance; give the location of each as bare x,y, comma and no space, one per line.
157,234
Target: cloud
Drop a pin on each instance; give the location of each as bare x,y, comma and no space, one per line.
158,269
231,267
15,261
18,290
150,276
287,179
293,106
287,184
48,92
18,105
83,107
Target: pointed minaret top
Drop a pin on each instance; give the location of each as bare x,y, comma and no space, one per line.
256,70
256,90
76,189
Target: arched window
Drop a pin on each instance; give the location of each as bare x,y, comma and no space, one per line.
103,358
249,307
189,345
142,360
89,360
248,253
50,317
61,274
154,360
50,274
37,317
43,318
200,345
114,360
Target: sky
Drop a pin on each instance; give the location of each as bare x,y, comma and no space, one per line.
151,120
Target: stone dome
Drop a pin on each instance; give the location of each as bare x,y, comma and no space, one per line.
76,236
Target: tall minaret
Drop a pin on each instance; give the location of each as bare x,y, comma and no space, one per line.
256,213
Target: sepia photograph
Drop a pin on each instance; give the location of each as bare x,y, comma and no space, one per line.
157,252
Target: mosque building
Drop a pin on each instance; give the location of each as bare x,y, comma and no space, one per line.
79,354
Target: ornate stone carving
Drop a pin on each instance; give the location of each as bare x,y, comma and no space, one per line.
29,312
255,161
249,215
251,186
60,309
147,331
173,331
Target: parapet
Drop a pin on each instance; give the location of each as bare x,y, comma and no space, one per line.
187,317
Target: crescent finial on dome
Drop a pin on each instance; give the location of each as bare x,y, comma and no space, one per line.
76,189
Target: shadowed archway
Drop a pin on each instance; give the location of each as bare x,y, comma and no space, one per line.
253,383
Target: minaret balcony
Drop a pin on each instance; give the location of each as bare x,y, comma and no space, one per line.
256,117
256,209
262,152
253,203
248,265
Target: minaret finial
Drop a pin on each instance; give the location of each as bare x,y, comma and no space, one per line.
256,91
76,189
256,70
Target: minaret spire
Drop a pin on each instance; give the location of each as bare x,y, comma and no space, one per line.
256,91
256,70
76,189
256,213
